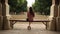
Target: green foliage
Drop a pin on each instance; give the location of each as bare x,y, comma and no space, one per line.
42,6
18,5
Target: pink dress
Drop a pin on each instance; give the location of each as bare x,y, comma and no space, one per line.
30,17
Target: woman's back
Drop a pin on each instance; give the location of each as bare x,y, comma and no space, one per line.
30,16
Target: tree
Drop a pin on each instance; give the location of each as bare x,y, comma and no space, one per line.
42,6
18,5
13,4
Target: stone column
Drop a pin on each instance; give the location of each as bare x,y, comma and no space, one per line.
5,10
58,18
1,18
53,15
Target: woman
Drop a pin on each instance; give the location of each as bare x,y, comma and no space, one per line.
30,15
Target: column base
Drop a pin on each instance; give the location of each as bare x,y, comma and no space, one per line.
58,23
6,23
52,24
1,22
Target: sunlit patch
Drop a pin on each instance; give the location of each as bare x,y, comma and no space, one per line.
30,2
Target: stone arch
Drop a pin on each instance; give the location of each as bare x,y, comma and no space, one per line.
54,15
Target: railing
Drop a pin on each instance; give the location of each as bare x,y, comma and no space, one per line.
19,20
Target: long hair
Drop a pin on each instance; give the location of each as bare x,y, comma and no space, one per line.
31,11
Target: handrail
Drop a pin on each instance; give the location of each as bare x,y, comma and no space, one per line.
17,20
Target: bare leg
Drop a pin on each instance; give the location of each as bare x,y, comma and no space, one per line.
29,27
29,23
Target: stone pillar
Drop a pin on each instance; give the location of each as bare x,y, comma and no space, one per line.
5,10
53,15
58,18
1,18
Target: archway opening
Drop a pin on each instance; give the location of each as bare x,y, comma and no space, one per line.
19,8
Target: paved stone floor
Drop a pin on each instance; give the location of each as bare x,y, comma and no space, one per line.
21,28
27,32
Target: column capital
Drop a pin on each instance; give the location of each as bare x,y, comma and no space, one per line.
59,1
4,1
0,1
56,2
0,8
